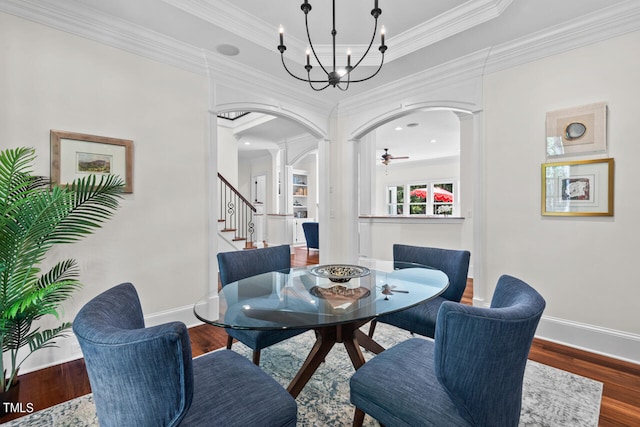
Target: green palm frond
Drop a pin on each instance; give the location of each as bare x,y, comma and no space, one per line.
38,340
33,218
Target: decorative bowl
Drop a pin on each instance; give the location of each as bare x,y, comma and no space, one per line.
340,273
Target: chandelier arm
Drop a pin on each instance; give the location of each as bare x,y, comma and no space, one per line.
372,75
333,77
306,25
347,86
373,37
318,89
302,79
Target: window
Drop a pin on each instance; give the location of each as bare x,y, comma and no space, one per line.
395,200
427,198
417,199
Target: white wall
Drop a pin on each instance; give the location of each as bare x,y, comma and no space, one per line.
158,240
53,80
584,267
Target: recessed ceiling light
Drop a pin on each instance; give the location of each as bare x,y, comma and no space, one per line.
247,143
228,49
399,128
412,125
433,141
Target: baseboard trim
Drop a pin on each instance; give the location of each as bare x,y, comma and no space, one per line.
69,349
606,342
181,314
594,339
603,341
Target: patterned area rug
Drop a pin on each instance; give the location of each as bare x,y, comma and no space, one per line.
551,397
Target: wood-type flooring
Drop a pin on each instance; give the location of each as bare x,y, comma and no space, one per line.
620,401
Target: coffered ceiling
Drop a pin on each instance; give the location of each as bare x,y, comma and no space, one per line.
420,34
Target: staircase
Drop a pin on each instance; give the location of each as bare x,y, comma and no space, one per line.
235,225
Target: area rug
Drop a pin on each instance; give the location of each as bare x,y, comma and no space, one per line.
551,397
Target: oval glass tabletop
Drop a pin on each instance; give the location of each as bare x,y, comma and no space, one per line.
297,298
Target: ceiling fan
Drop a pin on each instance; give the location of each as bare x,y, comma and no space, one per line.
386,157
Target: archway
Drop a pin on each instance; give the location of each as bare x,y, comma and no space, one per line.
431,224
280,147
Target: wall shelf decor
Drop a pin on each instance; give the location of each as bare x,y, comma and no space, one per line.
577,130
74,155
578,188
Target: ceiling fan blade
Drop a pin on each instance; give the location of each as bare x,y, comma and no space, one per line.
386,157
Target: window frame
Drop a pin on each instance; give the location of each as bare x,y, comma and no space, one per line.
404,206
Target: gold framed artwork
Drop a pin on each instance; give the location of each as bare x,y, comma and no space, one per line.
577,130
578,188
75,155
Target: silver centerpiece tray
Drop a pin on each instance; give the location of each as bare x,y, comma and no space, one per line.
340,273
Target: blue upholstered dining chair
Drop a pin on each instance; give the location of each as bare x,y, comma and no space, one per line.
238,265
421,319
470,375
311,235
146,376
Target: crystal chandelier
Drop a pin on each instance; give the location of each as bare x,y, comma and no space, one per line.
334,77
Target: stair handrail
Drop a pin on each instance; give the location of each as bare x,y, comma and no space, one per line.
233,206
236,192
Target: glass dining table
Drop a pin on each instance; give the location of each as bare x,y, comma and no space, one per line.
334,300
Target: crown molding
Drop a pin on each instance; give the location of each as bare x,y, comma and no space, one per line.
238,76
449,73
454,21
78,19
225,14
595,27
598,26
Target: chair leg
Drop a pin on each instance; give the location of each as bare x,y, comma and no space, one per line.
372,327
358,418
229,342
256,357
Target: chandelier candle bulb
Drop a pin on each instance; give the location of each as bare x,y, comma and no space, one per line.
338,78
382,31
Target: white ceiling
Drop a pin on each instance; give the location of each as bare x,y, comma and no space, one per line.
422,135
420,34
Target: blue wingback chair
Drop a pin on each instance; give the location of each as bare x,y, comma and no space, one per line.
239,265
421,319
311,235
470,375
146,376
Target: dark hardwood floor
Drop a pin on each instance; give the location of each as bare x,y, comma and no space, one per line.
620,401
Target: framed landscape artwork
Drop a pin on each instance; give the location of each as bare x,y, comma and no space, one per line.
577,130
579,188
75,155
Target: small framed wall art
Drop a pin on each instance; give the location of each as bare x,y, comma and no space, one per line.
577,130
579,188
75,155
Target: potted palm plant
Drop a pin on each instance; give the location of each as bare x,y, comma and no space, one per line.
34,217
